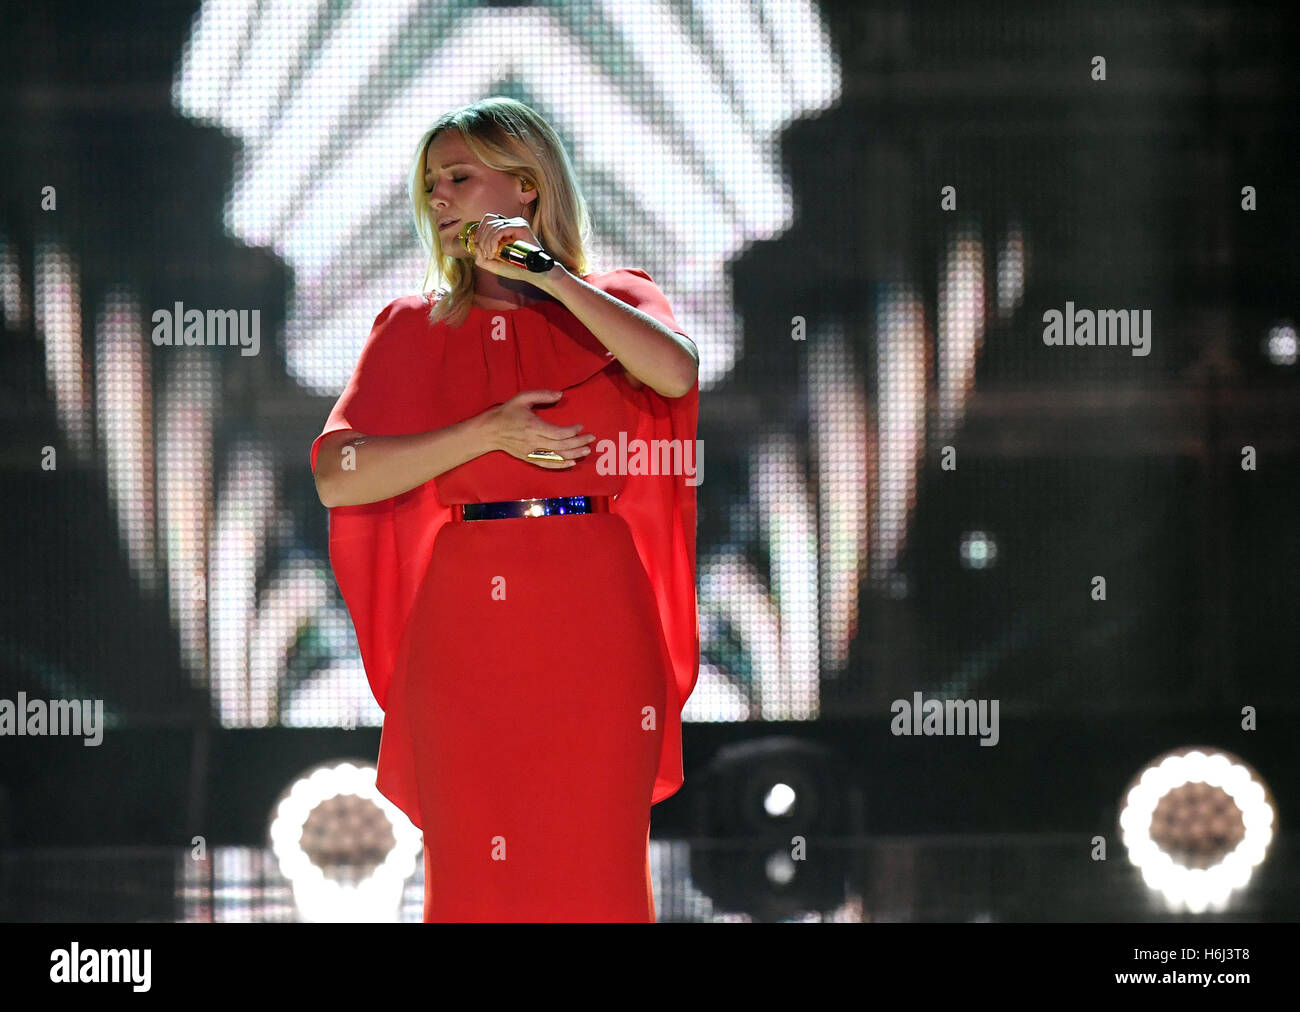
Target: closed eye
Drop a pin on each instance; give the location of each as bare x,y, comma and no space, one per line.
454,179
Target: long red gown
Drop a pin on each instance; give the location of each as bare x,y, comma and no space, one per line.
532,671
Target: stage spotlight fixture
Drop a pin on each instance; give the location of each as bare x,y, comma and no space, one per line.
772,820
1196,822
346,849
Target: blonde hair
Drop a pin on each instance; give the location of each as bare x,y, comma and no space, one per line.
508,136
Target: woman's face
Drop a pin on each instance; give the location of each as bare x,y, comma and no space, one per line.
460,188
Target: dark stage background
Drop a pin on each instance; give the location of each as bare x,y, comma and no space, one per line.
862,214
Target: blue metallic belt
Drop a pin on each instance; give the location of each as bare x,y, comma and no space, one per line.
508,508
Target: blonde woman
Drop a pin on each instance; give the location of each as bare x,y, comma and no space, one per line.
515,552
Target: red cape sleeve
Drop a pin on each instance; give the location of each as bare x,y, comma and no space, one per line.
380,552
660,510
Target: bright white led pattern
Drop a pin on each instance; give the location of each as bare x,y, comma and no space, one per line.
838,435
788,525
960,328
901,412
244,515
125,407
328,107
1013,261
185,483
58,323
13,296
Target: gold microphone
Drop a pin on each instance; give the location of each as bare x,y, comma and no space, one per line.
519,253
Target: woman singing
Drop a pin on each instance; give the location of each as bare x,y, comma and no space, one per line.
519,568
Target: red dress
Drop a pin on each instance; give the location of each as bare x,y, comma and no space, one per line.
532,671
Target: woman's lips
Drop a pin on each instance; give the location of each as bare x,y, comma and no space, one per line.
449,224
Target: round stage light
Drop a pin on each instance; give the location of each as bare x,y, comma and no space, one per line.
1281,343
979,550
346,849
780,800
1197,822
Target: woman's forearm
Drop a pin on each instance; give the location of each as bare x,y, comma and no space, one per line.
666,362
384,466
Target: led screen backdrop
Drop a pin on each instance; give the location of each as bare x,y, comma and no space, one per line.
907,487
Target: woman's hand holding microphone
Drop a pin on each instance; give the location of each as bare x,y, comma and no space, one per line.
512,426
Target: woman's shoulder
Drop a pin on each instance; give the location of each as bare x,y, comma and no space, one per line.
406,314
406,304
410,307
